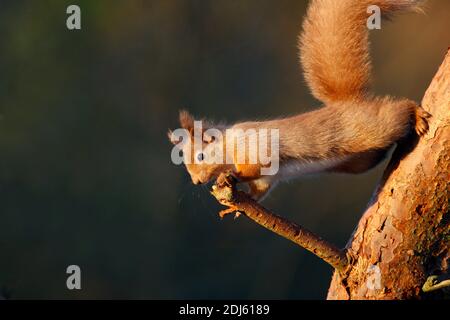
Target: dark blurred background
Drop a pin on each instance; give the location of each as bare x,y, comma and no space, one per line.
85,170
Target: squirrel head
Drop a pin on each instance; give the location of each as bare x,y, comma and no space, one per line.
199,148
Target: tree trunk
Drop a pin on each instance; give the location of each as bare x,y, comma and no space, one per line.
403,239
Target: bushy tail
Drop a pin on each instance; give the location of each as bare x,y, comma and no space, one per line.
334,46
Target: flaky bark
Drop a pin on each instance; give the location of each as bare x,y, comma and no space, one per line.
403,238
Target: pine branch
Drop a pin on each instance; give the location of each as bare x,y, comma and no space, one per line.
237,201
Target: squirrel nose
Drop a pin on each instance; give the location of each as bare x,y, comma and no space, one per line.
197,181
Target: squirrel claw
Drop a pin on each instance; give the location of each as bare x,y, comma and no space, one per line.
422,117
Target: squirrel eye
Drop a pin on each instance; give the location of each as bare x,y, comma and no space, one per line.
201,156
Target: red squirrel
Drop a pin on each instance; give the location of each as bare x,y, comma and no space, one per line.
350,133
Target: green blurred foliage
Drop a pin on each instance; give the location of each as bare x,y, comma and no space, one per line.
85,170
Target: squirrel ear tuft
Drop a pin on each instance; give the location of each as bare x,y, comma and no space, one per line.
186,120
172,138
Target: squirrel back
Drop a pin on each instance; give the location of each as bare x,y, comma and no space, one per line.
334,46
351,133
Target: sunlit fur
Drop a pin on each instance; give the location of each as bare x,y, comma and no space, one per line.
199,171
353,130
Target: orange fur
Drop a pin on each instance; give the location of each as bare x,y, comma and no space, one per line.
353,131
334,46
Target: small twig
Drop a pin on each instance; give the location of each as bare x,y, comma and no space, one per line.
435,283
237,201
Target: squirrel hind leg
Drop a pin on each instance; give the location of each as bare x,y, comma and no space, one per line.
361,162
421,121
